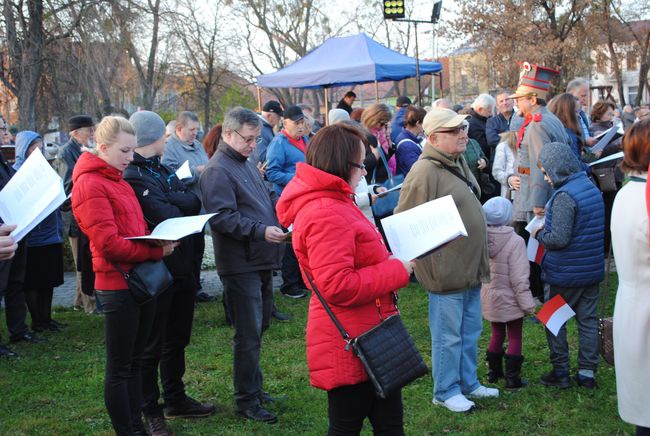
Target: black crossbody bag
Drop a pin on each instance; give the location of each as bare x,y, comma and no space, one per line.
387,351
147,280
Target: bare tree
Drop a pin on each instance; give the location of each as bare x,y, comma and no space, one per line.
30,28
203,55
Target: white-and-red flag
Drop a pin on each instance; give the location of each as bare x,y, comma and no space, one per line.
554,313
535,251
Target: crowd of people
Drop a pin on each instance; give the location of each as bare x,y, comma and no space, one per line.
295,197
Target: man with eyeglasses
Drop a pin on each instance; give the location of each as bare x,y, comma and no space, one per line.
284,152
453,274
247,248
183,146
82,129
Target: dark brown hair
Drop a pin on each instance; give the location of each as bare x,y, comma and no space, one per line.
599,109
211,140
334,147
357,113
636,147
414,115
564,107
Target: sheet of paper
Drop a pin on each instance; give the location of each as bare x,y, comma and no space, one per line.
174,229
394,188
536,223
34,192
614,156
424,228
183,172
534,249
607,137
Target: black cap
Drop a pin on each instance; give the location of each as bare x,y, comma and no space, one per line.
403,101
294,113
79,121
272,106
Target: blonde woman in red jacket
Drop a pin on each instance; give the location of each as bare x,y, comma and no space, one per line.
349,263
108,211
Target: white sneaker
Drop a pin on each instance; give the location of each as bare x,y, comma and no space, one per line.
484,392
457,403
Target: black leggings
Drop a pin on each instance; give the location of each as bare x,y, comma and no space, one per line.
39,303
348,406
126,327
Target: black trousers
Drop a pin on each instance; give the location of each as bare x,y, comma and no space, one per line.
127,326
165,348
291,276
348,406
39,303
12,278
199,248
249,302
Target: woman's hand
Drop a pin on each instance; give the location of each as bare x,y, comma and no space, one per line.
481,163
408,264
168,248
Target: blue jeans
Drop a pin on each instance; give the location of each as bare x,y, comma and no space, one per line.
455,322
249,298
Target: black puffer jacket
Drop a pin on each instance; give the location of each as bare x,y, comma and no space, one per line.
162,196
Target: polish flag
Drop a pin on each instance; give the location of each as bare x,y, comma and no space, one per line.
535,251
555,313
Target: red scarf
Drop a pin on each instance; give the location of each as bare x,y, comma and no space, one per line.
298,143
522,129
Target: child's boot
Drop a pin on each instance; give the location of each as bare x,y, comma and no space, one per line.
513,372
495,365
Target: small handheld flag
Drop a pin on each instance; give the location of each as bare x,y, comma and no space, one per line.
555,313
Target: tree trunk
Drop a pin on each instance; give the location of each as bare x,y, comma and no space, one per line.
207,91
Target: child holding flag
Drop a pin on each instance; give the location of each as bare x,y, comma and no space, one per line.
507,298
573,265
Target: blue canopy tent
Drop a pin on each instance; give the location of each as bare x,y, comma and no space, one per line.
348,60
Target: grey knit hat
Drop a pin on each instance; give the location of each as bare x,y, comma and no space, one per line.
498,211
149,127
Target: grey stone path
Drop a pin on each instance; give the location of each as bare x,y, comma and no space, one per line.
64,294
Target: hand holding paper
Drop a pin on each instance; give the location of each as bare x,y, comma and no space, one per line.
174,229
184,172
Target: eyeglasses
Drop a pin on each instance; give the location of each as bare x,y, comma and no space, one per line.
455,130
362,167
248,140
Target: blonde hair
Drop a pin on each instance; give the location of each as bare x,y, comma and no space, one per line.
376,115
109,127
510,138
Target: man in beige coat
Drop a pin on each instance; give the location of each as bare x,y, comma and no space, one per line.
454,273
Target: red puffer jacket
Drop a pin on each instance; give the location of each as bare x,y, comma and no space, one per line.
345,255
107,211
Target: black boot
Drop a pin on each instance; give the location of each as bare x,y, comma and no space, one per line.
513,372
495,364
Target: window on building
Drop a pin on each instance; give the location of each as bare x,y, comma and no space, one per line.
632,92
631,61
601,62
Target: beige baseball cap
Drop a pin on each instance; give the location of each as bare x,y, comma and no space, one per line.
438,119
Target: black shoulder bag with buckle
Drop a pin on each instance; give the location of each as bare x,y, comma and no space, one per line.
147,280
387,350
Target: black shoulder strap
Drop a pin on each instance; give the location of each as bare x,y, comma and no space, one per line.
338,325
455,172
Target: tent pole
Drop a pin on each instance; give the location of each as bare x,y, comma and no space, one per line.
417,65
440,77
327,107
259,99
376,92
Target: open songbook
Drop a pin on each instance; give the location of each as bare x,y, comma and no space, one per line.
173,229
417,232
33,193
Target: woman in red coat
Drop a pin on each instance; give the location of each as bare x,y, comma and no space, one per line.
348,261
108,211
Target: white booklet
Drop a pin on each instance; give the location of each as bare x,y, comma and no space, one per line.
604,138
33,193
174,229
184,172
418,231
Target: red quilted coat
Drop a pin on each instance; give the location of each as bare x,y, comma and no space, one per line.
107,211
345,255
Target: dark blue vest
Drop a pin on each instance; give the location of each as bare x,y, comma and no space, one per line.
582,262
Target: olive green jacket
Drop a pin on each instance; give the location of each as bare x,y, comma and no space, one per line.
463,263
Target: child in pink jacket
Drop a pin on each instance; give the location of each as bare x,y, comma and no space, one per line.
507,298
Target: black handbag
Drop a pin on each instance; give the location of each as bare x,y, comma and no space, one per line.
147,280
387,351
605,178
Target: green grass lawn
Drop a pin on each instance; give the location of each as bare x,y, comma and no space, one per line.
56,388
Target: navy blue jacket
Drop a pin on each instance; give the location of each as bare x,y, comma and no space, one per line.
397,125
495,125
408,151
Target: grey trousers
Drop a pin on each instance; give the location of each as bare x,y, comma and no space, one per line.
584,302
